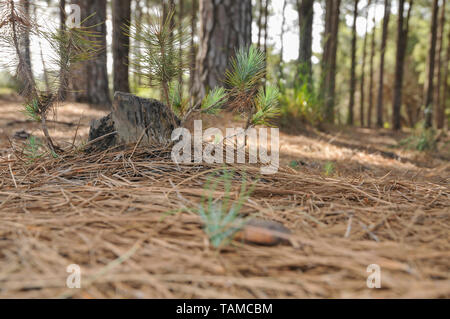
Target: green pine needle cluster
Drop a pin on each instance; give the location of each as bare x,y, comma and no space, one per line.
248,69
160,41
32,111
221,217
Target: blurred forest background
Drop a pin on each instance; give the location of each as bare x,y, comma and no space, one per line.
367,63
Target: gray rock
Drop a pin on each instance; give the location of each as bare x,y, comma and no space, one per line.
130,117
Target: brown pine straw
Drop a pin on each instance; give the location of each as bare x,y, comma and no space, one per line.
121,219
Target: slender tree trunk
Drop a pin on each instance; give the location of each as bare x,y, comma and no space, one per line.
180,30
283,26
363,69
193,47
387,14
305,9
260,26
121,45
372,57
350,120
330,50
63,76
266,34
225,26
24,45
440,112
98,73
138,19
430,67
402,41
446,80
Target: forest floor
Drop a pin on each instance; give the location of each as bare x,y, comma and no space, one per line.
120,216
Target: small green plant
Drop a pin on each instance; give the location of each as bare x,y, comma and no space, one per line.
421,140
32,149
221,216
70,46
301,103
329,168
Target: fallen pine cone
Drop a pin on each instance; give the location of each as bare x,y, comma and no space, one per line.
263,232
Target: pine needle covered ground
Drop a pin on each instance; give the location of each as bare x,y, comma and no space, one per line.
349,199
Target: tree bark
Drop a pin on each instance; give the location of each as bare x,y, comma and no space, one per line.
225,26
387,14
363,70
193,53
402,41
351,107
90,81
180,49
372,57
446,86
305,9
440,111
121,44
260,26
283,26
429,82
330,50
24,45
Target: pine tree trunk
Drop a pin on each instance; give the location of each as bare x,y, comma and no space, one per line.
387,14
283,26
350,120
24,45
64,79
193,53
121,42
180,49
372,56
330,50
402,41
225,26
446,86
429,82
90,81
260,26
138,20
363,70
440,112
305,9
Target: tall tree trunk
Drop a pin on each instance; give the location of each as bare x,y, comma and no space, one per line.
193,48
440,112
387,14
446,86
266,34
138,14
305,9
63,76
363,70
372,57
430,67
260,25
121,44
225,26
24,45
330,50
283,26
90,81
180,48
402,41
351,107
